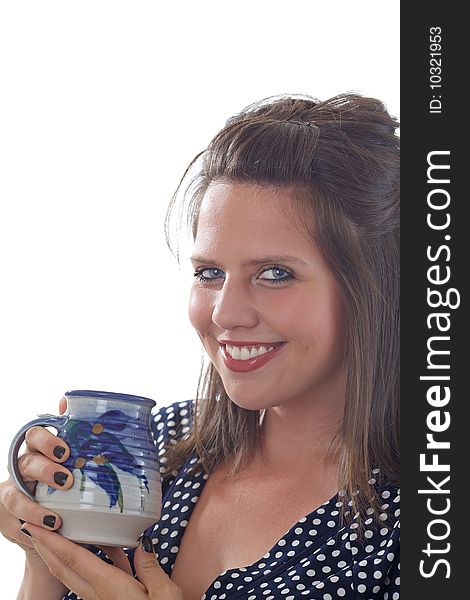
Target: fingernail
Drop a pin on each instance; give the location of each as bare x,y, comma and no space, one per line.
49,521
25,531
60,478
147,544
59,451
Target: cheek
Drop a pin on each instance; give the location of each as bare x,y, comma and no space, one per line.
199,310
311,317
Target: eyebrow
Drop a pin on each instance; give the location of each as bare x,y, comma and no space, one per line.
274,259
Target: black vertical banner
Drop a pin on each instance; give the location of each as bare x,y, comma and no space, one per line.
434,290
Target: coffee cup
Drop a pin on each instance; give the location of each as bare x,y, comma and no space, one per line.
116,493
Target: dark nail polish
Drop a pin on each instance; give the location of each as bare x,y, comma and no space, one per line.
60,478
25,531
49,521
21,521
147,544
59,451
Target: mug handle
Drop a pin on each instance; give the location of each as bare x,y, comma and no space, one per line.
43,421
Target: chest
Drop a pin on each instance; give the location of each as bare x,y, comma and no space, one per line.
235,522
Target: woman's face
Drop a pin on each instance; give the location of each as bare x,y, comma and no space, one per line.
264,302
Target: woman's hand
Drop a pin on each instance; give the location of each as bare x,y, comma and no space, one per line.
93,579
40,462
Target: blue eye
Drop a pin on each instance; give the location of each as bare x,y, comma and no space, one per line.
277,275
204,275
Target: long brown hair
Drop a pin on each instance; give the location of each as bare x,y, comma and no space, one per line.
339,159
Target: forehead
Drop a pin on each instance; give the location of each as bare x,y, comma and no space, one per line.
252,211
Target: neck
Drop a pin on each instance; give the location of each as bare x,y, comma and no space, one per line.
303,434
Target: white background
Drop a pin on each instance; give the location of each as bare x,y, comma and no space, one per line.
102,105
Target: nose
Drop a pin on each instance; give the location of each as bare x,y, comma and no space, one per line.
234,306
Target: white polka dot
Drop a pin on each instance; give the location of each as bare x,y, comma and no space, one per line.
341,591
377,574
361,588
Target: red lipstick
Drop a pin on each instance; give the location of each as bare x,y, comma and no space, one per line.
251,364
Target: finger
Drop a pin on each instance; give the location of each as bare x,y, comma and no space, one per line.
119,558
34,466
14,536
63,573
22,507
62,405
152,575
77,567
39,439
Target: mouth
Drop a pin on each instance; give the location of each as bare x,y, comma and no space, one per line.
248,356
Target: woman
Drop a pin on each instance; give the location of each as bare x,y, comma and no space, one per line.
280,481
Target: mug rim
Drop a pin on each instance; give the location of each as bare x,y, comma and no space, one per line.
109,396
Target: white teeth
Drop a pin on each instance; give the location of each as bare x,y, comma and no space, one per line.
246,352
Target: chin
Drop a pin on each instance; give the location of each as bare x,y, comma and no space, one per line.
248,401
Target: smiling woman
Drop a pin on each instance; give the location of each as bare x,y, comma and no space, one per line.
294,213
281,479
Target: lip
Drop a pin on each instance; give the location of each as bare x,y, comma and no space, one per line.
249,343
245,366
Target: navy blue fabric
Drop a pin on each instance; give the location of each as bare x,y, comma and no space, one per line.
318,558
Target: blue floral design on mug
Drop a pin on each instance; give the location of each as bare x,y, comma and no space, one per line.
96,451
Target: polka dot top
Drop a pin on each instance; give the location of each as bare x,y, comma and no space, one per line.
318,558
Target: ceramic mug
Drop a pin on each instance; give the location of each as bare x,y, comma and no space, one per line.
116,493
